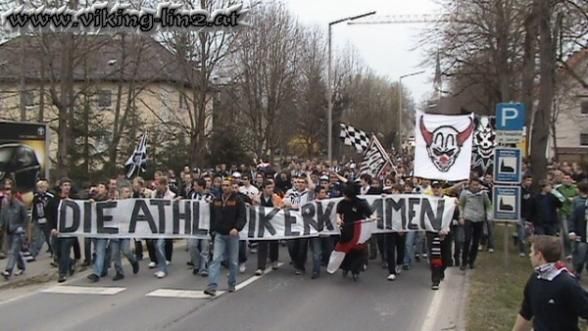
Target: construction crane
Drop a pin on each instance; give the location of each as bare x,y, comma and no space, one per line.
402,19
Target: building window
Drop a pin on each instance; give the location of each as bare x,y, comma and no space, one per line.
583,139
28,98
584,107
104,98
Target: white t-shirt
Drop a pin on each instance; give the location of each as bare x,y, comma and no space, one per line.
250,191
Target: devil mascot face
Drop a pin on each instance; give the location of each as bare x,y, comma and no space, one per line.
444,143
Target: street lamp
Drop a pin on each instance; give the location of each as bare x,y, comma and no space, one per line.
329,87
400,126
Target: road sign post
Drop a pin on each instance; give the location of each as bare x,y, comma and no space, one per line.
510,124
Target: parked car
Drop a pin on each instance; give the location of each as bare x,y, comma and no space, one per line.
19,163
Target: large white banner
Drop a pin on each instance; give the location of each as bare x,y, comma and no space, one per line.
443,146
155,218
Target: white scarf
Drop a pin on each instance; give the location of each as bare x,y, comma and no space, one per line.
549,271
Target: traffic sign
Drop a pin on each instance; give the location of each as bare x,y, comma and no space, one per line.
507,203
510,116
508,163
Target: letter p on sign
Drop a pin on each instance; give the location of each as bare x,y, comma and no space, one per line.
510,116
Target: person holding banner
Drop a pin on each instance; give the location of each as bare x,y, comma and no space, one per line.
351,212
439,246
294,199
124,245
163,247
395,243
199,248
267,199
64,244
228,217
102,245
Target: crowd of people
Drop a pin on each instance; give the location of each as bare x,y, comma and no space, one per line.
557,209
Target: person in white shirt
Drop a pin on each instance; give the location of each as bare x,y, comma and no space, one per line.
294,199
248,189
163,247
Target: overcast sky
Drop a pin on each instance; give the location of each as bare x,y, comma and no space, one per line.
387,49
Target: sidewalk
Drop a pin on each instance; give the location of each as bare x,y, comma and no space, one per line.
36,272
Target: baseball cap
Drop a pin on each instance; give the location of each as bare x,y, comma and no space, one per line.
236,175
436,184
325,178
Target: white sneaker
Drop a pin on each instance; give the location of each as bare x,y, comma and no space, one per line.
398,269
160,274
258,272
152,265
391,277
490,250
522,254
167,262
242,268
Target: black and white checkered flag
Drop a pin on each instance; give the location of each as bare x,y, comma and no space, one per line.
354,137
138,161
375,159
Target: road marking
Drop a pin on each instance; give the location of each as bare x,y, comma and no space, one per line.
183,294
84,290
252,279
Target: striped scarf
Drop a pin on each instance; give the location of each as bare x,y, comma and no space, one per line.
436,260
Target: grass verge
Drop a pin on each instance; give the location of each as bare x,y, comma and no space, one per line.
496,289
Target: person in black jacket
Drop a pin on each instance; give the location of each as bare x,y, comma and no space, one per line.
577,228
527,197
543,211
42,205
267,199
227,216
553,297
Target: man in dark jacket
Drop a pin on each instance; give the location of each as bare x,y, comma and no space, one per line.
553,298
227,215
577,228
13,219
43,202
527,197
543,212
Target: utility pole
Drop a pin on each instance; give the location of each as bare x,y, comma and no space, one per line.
329,82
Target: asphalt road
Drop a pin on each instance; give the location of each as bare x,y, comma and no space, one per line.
279,300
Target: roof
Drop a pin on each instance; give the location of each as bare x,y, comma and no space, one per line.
96,57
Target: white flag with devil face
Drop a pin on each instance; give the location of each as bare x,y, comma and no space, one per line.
443,146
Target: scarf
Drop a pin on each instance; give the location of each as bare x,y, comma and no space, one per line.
549,271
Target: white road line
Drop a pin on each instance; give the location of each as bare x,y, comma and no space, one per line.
252,279
84,290
183,294
434,308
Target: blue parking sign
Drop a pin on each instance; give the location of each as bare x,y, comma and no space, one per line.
510,116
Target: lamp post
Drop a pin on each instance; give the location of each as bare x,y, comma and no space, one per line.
329,85
400,126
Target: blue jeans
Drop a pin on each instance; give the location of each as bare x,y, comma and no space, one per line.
124,245
522,236
414,245
14,243
198,249
65,261
160,255
102,261
41,234
315,246
229,246
580,256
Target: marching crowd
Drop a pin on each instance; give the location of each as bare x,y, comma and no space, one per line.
557,209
